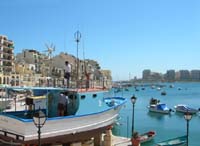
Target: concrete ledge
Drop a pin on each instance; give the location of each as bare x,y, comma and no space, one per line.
121,141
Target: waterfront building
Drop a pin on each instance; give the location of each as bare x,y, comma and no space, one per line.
195,75
107,78
183,75
30,67
146,74
32,56
50,71
170,75
7,70
156,76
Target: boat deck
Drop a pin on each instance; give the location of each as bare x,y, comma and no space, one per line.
95,89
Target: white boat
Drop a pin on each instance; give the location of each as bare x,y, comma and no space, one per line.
184,108
177,141
156,106
158,88
159,108
19,126
148,136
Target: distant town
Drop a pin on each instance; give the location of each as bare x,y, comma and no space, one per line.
33,68
171,75
155,77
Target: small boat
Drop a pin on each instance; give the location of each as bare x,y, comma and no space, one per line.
136,89
178,141
184,108
179,88
126,89
158,88
148,136
163,93
159,108
117,90
156,106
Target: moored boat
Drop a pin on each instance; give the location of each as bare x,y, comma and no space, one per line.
178,141
156,106
148,136
159,108
184,109
163,93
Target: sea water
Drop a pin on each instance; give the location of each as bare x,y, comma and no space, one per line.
166,126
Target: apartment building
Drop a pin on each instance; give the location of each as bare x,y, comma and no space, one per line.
195,75
170,75
6,60
183,75
146,74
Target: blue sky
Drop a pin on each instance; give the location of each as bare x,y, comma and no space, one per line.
125,36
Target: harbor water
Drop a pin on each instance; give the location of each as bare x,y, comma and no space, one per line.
166,126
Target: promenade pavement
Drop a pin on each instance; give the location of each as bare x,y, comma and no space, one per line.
121,141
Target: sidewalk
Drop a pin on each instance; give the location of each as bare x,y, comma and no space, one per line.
121,141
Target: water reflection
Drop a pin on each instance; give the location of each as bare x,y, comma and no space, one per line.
181,115
158,116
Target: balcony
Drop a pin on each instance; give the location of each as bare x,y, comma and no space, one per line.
7,64
11,46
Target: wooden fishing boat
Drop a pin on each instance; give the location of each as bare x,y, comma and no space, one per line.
178,141
77,125
148,136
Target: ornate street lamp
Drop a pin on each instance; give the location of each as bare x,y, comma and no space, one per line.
39,119
188,117
133,101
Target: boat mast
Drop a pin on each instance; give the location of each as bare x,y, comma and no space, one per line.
77,37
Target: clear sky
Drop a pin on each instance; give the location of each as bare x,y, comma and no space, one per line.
125,36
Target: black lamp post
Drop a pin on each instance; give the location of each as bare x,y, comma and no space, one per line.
188,117
133,100
39,119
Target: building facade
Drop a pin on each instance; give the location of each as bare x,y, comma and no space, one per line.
146,74
195,75
183,75
7,70
170,75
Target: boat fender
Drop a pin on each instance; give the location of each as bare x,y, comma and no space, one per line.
94,95
82,96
